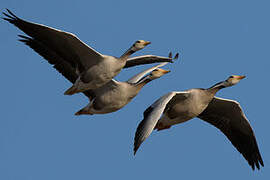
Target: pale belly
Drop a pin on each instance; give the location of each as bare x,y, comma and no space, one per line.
100,74
165,122
112,100
101,106
179,114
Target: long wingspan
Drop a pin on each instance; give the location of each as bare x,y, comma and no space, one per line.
63,66
147,59
227,115
70,47
151,116
65,45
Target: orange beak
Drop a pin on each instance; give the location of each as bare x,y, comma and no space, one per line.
240,77
164,71
146,43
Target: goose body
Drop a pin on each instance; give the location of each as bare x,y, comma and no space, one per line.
110,98
115,95
187,105
97,75
74,59
227,115
102,72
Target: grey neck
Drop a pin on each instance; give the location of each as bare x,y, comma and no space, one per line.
143,81
218,86
128,53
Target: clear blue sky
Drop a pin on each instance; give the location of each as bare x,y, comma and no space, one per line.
40,138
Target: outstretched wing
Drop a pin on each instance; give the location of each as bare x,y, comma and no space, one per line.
151,116
62,66
137,77
147,59
66,45
227,116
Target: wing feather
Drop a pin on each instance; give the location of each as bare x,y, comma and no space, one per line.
228,117
151,116
64,44
146,59
137,77
61,65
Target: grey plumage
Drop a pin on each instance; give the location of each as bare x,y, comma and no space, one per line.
226,115
59,47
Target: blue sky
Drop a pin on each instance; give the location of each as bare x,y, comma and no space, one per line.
40,138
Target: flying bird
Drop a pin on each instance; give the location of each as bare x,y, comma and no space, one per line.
92,68
227,115
115,94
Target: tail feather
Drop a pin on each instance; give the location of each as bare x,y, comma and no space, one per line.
84,111
80,112
72,90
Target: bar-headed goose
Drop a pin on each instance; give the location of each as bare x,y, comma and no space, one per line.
59,47
115,95
227,115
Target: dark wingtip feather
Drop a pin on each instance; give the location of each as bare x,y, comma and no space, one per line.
14,16
6,19
170,55
23,40
138,140
135,150
261,161
257,165
253,167
137,143
24,37
8,15
11,18
176,56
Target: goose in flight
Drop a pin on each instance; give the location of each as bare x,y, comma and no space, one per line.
92,68
115,95
227,115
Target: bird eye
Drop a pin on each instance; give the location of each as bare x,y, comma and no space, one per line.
137,41
231,77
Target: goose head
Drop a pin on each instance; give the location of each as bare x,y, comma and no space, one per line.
140,44
231,81
157,73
